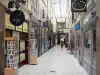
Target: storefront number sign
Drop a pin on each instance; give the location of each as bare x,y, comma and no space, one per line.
10,54
17,18
78,5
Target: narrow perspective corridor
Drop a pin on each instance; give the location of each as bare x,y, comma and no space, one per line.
55,62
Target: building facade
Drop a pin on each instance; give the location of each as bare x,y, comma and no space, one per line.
87,52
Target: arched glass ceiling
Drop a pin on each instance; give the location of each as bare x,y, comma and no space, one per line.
62,10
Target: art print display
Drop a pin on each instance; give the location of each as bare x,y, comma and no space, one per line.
10,54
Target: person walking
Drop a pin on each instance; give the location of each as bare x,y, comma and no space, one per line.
62,42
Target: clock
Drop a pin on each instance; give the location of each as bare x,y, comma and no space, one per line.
78,5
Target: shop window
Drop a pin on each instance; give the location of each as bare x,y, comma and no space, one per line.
87,40
22,36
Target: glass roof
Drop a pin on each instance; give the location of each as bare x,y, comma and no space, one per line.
62,9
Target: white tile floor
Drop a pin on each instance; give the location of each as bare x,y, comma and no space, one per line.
56,59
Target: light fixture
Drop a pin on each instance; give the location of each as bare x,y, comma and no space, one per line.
60,30
86,19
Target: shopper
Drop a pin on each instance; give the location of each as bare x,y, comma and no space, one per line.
62,42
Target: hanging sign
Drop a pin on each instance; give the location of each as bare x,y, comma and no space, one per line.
78,5
17,18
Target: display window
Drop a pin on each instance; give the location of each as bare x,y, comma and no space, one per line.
21,44
87,43
20,35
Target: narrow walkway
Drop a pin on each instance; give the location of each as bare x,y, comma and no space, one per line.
55,62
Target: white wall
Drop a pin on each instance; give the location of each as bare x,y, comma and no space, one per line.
41,8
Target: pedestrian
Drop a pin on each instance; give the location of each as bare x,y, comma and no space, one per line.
61,41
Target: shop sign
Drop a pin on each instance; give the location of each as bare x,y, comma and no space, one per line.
78,5
66,30
19,28
25,27
45,24
7,22
17,18
77,26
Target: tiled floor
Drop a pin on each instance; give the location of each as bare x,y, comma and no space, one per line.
55,62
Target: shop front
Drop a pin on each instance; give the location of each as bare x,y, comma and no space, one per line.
20,35
89,44
34,40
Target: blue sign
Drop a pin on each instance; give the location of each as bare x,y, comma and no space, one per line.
77,26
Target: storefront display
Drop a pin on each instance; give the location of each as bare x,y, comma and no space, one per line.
11,63
10,53
89,58
33,44
87,43
16,37
21,40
